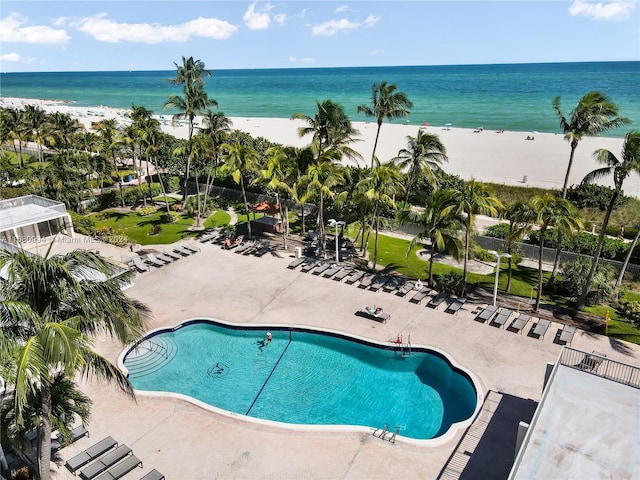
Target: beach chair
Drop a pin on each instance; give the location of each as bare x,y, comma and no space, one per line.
296,263
74,435
420,295
172,255
393,284
163,258
541,327
182,251
437,300
262,250
241,249
105,462
91,453
591,361
405,288
345,272
486,313
378,282
370,313
191,248
208,237
309,265
455,306
367,280
139,264
519,323
501,318
253,248
354,277
320,269
153,260
332,271
566,334
153,475
121,469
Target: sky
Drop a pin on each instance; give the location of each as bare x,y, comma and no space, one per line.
74,35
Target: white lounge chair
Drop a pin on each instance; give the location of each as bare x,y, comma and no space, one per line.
519,323
153,260
541,327
566,334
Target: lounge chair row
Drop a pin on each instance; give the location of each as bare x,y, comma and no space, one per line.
143,264
256,248
107,460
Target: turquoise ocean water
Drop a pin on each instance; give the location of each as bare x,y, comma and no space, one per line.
512,97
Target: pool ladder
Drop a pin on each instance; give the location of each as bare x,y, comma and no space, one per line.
403,348
384,432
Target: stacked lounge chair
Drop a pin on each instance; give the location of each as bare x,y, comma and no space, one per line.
321,268
405,288
209,237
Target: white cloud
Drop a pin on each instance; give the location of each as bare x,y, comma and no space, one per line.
342,8
376,52
13,31
257,20
371,20
305,60
280,18
616,10
105,30
333,27
10,57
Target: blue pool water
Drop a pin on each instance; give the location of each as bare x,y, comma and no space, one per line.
304,377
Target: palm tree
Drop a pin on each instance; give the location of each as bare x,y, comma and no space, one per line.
621,169
521,219
50,310
35,119
240,160
552,211
424,153
194,100
217,127
473,199
625,264
320,179
440,223
385,103
593,115
12,126
152,141
380,187
109,134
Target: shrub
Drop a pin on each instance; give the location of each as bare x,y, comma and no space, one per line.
155,230
146,211
450,282
82,224
630,309
170,217
500,230
589,195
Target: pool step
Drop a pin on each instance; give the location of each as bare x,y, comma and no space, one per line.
150,356
386,434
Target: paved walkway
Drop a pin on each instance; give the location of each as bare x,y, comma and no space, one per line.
184,441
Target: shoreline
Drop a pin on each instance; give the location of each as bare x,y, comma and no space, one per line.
502,157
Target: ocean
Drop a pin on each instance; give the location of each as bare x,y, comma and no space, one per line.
514,97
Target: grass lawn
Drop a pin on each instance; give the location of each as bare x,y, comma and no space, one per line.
218,219
137,228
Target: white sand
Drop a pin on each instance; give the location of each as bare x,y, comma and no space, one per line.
487,156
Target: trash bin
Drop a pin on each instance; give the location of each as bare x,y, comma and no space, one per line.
298,252
128,178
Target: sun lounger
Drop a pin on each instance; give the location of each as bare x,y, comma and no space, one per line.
264,248
153,475
419,295
163,258
182,251
437,300
191,248
501,318
378,282
355,276
486,313
566,334
91,453
296,263
152,260
321,268
139,264
172,255
405,288
345,272
208,237
242,248
121,469
253,248
76,434
519,323
393,284
456,305
367,280
541,327
591,361
379,317
310,265
105,462
332,271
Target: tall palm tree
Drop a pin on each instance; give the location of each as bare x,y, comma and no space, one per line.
35,119
12,126
190,75
385,103
552,211
63,130
474,199
627,259
594,114
217,127
521,220
110,138
621,169
152,141
424,153
50,310
240,160
440,223
320,179
380,187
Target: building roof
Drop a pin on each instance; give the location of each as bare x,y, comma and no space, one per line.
27,210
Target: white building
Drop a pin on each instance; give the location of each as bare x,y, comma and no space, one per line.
32,218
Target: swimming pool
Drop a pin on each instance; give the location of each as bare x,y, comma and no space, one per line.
305,377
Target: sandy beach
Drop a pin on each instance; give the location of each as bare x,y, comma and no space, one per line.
488,156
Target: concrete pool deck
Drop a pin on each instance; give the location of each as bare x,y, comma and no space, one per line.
184,441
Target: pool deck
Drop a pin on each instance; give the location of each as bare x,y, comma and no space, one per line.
184,441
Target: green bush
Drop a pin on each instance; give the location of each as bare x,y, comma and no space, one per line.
500,230
170,217
155,230
146,211
450,282
81,223
630,309
589,195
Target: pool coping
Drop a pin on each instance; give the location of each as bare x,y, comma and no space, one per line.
432,442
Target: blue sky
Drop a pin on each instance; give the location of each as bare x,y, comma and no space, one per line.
152,35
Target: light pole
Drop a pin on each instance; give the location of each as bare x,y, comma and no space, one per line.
337,223
498,256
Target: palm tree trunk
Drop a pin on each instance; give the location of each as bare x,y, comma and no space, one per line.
375,144
164,191
556,260
467,241
540,250
246,206
566,177
582,299
627,259
376,220
138,171
115,165
433,252
149,180
44,442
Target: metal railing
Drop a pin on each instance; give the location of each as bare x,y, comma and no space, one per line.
597,364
